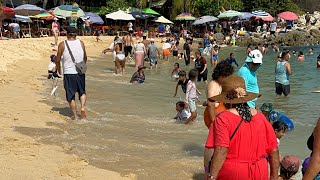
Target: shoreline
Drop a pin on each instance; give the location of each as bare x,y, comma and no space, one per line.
24,84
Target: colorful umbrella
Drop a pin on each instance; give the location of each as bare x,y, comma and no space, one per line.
185,17
289,16
94,18
120,15
28,10
43,15
7,13
205,19
66,11
163,20
229,14
150,11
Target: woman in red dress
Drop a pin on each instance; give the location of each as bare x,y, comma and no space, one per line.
242,137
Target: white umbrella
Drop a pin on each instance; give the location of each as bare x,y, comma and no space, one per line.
163,20
260,13
28,10
205,19
229,14
120,15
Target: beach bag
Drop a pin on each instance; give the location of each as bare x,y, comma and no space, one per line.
81,67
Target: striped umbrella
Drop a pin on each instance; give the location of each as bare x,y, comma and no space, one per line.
66,11
260,13
185,17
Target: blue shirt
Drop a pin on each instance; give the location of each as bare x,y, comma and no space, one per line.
250,78
282,75
232,60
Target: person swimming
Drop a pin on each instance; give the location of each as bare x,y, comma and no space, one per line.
301,56
175,71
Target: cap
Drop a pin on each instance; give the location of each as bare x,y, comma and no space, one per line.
290,163
255,56
71,30
53,58
151,39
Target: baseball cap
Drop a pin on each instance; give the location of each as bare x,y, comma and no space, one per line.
255,56
290,163
151,39
71,30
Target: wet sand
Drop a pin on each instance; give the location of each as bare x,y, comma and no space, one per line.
23,87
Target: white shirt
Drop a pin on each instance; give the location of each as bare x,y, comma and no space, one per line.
130,25
51,66
183,115
166,46
78,54
273,26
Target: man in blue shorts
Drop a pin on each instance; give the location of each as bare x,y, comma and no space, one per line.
73,81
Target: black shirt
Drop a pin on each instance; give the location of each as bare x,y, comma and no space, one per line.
186,47
199,64
183,85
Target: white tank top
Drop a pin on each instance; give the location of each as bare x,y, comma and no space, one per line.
78,54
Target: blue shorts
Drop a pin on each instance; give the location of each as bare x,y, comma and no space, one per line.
74,83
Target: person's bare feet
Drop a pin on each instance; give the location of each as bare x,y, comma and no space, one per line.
83,115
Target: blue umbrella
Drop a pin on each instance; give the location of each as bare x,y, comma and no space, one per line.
28,10
22,18
94,18
246,15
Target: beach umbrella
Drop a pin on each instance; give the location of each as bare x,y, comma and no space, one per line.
229,14
260,13
150,11
139,15
22,18
66,11
7,13
185,17
163,20
246,15
205,19
120,15
44,15
28,10
289,16
94,18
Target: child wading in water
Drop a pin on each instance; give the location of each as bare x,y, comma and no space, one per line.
182,113
191,95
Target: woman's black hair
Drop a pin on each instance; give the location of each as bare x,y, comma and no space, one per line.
280,126
193,73
177,64
182,73
284,53
231,54
180,104
223,68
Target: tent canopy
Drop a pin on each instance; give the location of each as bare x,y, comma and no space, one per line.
163,20
120,15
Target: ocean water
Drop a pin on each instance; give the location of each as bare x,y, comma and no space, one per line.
131,129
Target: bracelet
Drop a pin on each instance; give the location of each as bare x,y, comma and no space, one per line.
212,177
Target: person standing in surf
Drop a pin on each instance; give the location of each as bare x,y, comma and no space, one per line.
68,50
248,73
283,72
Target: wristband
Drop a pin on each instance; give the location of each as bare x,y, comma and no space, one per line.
206,169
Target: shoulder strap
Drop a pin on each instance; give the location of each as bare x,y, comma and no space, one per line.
73,60
234,132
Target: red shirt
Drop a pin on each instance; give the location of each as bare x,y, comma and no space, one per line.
247,150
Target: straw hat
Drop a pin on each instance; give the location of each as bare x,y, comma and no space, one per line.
234,91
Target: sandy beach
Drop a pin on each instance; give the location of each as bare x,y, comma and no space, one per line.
23,69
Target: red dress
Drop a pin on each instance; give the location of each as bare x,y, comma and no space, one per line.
247,150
